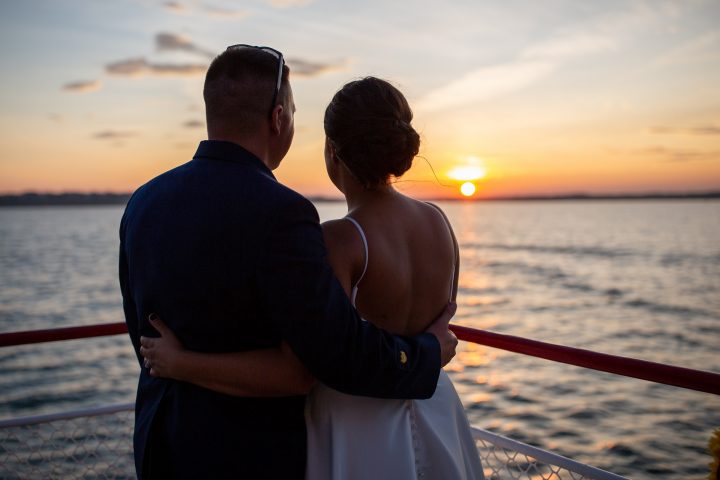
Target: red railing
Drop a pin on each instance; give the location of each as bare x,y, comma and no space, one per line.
699,380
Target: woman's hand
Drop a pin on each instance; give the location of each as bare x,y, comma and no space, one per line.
161,354
267,372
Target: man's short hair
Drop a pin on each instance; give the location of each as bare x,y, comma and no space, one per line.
239,87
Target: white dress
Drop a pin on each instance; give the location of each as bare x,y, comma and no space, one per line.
363,438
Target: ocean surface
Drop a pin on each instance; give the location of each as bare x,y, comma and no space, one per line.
633,278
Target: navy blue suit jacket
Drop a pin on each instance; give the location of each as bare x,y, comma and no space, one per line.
232,260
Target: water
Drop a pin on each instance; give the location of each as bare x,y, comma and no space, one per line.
638,278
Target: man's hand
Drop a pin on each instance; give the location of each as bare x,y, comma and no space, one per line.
162,354
448,340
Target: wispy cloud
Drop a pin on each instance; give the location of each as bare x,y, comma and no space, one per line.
114,135
170,42
226,13
289,3
138,67
677,155
305,68
220,13
533,64
705,47
175,7
696,130
485,83
82,86
568,47
193,124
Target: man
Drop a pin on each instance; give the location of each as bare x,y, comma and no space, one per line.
232,260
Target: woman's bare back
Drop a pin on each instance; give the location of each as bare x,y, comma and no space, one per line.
411,261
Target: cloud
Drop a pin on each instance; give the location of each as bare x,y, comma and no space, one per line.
193,124
697,130
677,155
82,86
138,67
570,46
485,83
226,13
175,7
703,48
214,12
172,42
113,135
289,3
304,68
532,65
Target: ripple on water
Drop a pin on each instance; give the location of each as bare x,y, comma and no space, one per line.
564,434
529,417
517,398
622,450
586,414
562,389
677,425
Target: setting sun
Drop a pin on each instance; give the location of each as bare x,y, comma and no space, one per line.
467,174
467,189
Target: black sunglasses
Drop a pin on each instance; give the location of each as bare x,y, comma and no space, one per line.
281,63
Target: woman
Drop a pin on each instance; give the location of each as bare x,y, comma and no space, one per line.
397,259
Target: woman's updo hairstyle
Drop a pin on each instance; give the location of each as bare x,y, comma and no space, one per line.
368,124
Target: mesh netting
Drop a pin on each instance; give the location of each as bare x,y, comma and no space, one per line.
502,463
97,444
88,447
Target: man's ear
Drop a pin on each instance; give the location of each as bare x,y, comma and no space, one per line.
276,119
331,150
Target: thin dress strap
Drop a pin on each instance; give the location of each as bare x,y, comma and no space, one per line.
455,263
353,295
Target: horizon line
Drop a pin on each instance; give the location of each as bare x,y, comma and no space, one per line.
32,198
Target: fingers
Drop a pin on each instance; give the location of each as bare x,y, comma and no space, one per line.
158,324
443,320
146,350
449,313
453,341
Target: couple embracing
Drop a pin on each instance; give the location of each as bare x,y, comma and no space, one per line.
275,347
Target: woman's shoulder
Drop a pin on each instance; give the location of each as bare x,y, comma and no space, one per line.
431,212
342,236
346,250
435,210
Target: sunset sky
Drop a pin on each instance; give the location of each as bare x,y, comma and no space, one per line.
550,97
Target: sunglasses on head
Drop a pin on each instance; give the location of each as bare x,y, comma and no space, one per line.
274,53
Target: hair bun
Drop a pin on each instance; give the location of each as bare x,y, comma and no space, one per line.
368,122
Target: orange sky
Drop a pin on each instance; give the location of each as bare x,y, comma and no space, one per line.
578,99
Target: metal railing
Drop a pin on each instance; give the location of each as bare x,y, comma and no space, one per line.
700,380
97,442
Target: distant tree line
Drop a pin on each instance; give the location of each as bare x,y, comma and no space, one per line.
39,199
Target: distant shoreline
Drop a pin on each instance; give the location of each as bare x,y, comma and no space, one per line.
79,199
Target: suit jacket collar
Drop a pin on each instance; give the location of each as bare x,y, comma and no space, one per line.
230,152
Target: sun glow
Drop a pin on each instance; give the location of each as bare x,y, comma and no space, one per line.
472,169
468,189
466,173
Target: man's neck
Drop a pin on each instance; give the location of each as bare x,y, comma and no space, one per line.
253,144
